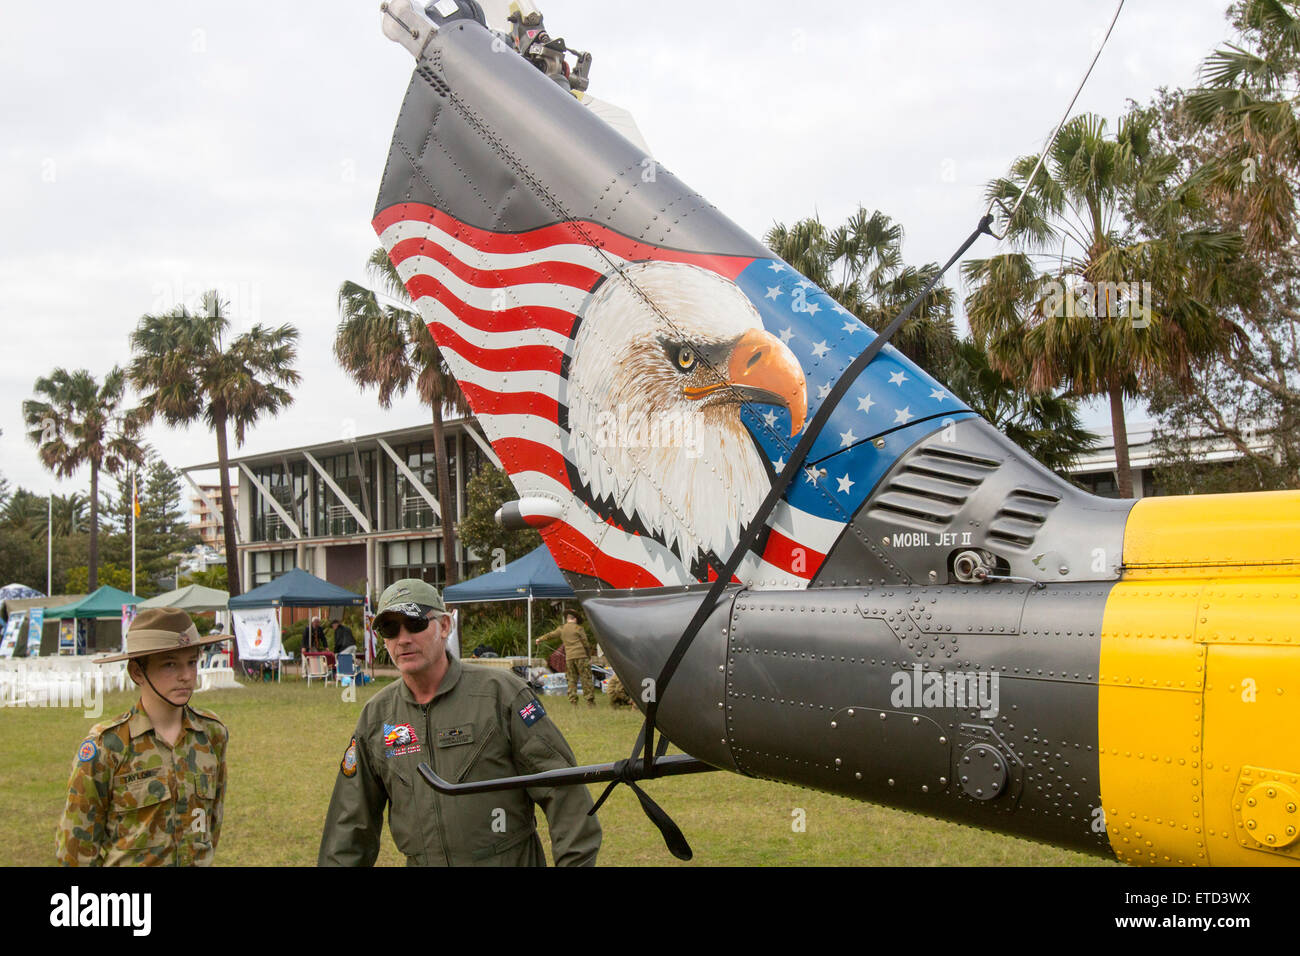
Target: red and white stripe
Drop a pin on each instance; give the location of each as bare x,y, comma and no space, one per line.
502,309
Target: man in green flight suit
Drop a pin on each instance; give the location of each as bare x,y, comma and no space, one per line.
147,787
467,722
577,657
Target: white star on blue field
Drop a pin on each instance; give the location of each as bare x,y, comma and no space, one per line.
893,397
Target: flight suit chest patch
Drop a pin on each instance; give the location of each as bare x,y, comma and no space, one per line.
400,739
455,736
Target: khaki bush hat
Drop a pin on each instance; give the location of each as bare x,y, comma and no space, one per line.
409,597
160,629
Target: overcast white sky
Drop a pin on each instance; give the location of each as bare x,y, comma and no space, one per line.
148,153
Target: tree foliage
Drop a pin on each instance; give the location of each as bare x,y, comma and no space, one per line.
484,494
390,348
1239,133
1107,289
860,265
76,422
162,531
187,368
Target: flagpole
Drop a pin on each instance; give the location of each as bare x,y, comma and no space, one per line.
135,516
49,545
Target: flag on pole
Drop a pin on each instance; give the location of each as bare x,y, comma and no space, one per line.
135,497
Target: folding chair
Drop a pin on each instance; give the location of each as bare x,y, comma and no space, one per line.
315,667
345,668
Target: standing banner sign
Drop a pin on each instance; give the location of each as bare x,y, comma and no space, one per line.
257,630
128,615
34,627
12,629
67,636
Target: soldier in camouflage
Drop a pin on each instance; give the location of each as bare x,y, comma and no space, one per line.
617,695
147,787
577,657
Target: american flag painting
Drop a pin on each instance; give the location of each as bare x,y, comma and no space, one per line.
572,342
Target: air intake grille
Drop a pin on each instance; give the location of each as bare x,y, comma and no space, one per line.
932,487
1021,516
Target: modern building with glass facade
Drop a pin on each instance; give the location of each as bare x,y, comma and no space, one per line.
360,513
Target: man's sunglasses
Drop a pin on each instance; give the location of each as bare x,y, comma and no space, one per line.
389,627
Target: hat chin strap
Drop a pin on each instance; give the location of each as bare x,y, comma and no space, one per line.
145,671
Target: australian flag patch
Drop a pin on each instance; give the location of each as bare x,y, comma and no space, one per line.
532,712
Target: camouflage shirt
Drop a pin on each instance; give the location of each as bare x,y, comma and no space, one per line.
135,801
574,638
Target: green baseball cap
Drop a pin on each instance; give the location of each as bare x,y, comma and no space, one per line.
410,597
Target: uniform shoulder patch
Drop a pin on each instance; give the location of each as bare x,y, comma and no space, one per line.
532,712
87,751
348,765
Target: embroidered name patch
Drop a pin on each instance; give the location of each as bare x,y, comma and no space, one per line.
400,739
348,765
140,775
87,751
455,736
532,712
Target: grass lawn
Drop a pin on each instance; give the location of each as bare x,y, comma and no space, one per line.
287,739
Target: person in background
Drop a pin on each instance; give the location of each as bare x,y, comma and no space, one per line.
313,639
577,657
343,639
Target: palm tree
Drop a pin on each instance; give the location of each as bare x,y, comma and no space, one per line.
860,265
78,422
389,346
184,369
1247,107
1044,424
1088,301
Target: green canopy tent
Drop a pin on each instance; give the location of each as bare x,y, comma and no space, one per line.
106,602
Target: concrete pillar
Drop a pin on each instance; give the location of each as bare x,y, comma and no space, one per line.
370,564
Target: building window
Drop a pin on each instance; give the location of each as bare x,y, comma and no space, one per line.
269,565
405,508
414,559
333,518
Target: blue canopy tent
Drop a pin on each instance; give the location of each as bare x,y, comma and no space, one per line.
534,575
297,588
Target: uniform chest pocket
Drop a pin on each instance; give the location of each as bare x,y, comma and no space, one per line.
403,818
204,778
469,756
140,812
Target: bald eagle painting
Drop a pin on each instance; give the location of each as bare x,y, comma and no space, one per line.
664,357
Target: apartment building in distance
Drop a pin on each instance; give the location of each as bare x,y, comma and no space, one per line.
205,514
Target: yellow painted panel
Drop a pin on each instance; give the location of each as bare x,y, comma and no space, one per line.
1261,528
1252,746
1150,727
1262,610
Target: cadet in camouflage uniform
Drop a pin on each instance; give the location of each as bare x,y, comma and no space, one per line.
467,722
614,688
147,787
577,657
